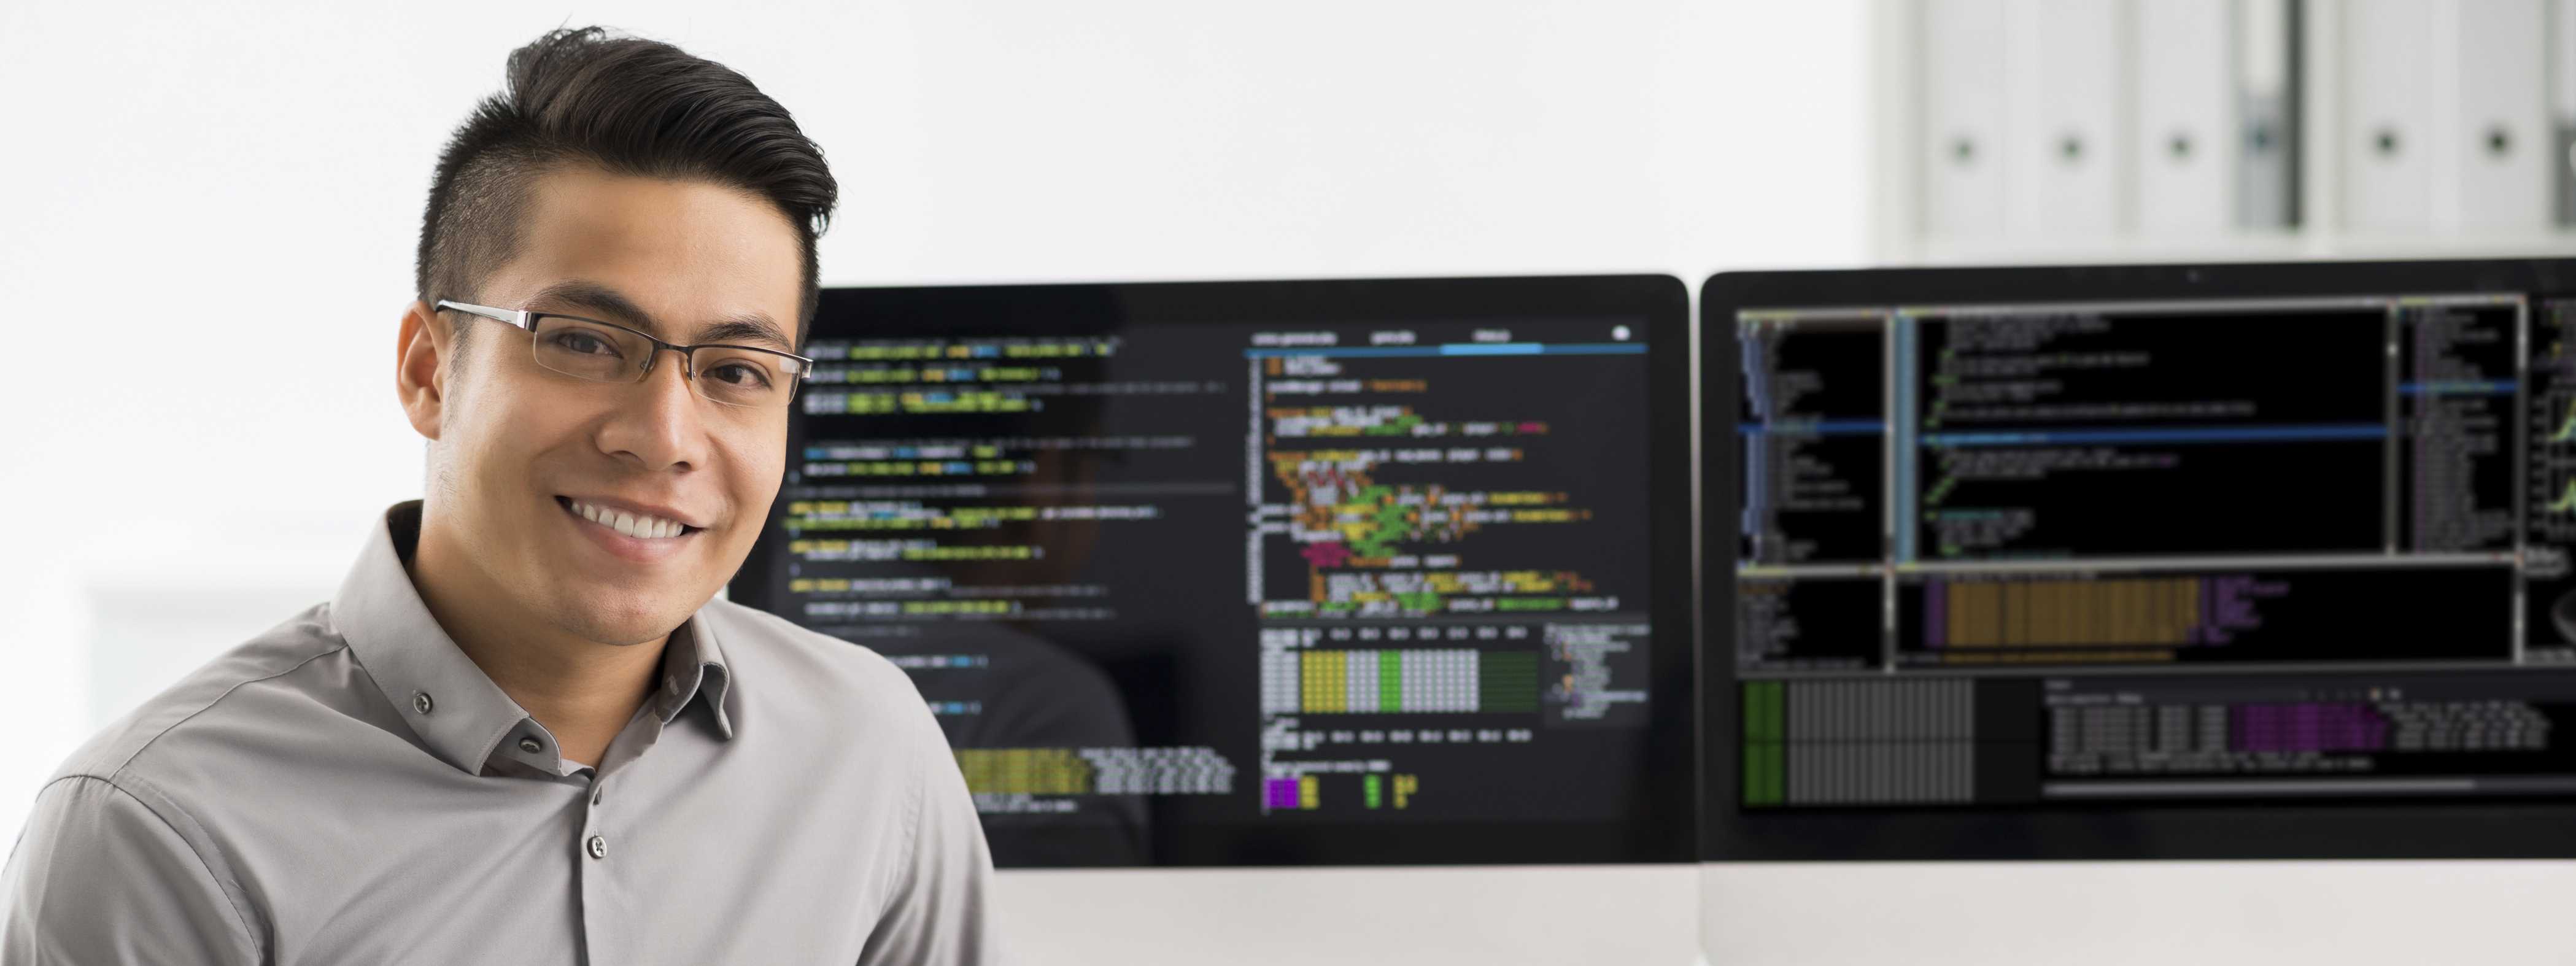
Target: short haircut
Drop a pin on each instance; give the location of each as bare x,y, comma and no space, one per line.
625,105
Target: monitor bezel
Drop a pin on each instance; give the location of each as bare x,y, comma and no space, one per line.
2349,830
1664,831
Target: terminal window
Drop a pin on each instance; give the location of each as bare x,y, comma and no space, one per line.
2146,552
1167,585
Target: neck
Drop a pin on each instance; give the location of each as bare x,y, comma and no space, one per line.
582,691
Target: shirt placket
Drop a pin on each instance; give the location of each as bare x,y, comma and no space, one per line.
609,925
605,924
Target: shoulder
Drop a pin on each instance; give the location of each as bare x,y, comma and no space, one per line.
143,793
813,675
100,868
768,642
236,682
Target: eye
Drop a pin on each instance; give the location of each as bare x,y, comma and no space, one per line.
584,343
742,374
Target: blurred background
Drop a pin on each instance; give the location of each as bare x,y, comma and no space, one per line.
208,211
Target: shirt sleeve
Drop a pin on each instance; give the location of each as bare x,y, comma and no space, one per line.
99,878
940,909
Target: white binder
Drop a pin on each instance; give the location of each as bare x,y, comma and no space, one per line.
2384,147
2561,160
1962,152
2561,65
2066,126
2497,134
2184,148
2266,117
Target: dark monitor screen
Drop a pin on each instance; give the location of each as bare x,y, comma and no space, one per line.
2226,561
1345,572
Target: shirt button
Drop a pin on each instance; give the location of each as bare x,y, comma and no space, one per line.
530,746
598,847
420,701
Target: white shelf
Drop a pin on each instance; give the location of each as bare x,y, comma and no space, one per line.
1896,204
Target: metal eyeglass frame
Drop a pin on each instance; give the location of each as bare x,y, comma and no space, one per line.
527,320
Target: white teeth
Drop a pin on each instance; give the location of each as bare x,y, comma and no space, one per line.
639,526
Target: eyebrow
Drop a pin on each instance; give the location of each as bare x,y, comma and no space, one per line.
586,294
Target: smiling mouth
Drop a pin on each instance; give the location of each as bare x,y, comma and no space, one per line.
637,525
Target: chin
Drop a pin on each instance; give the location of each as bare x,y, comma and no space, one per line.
629,622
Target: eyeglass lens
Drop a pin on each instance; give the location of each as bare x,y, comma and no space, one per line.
601,353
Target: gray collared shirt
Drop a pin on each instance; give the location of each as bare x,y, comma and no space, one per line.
349,787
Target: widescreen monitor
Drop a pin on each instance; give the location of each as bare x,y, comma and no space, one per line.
1353,572
2170,562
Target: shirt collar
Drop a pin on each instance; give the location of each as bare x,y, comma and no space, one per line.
450,703
693,666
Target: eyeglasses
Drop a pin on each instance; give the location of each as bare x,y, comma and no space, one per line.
735,375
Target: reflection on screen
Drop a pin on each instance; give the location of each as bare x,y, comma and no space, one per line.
1161,578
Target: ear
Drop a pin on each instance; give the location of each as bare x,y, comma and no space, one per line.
420,369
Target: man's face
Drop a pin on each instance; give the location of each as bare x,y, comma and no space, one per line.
526,455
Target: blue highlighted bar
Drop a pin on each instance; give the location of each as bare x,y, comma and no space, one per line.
2328,432
1813,427
2458,387
1459,349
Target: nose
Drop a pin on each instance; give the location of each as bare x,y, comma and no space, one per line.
662,426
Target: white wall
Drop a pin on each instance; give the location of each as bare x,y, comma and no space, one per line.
207,216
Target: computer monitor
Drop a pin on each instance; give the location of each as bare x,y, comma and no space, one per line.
1267,573
2170,562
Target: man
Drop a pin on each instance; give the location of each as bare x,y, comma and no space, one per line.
522,732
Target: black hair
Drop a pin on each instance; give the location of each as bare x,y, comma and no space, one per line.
629,106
